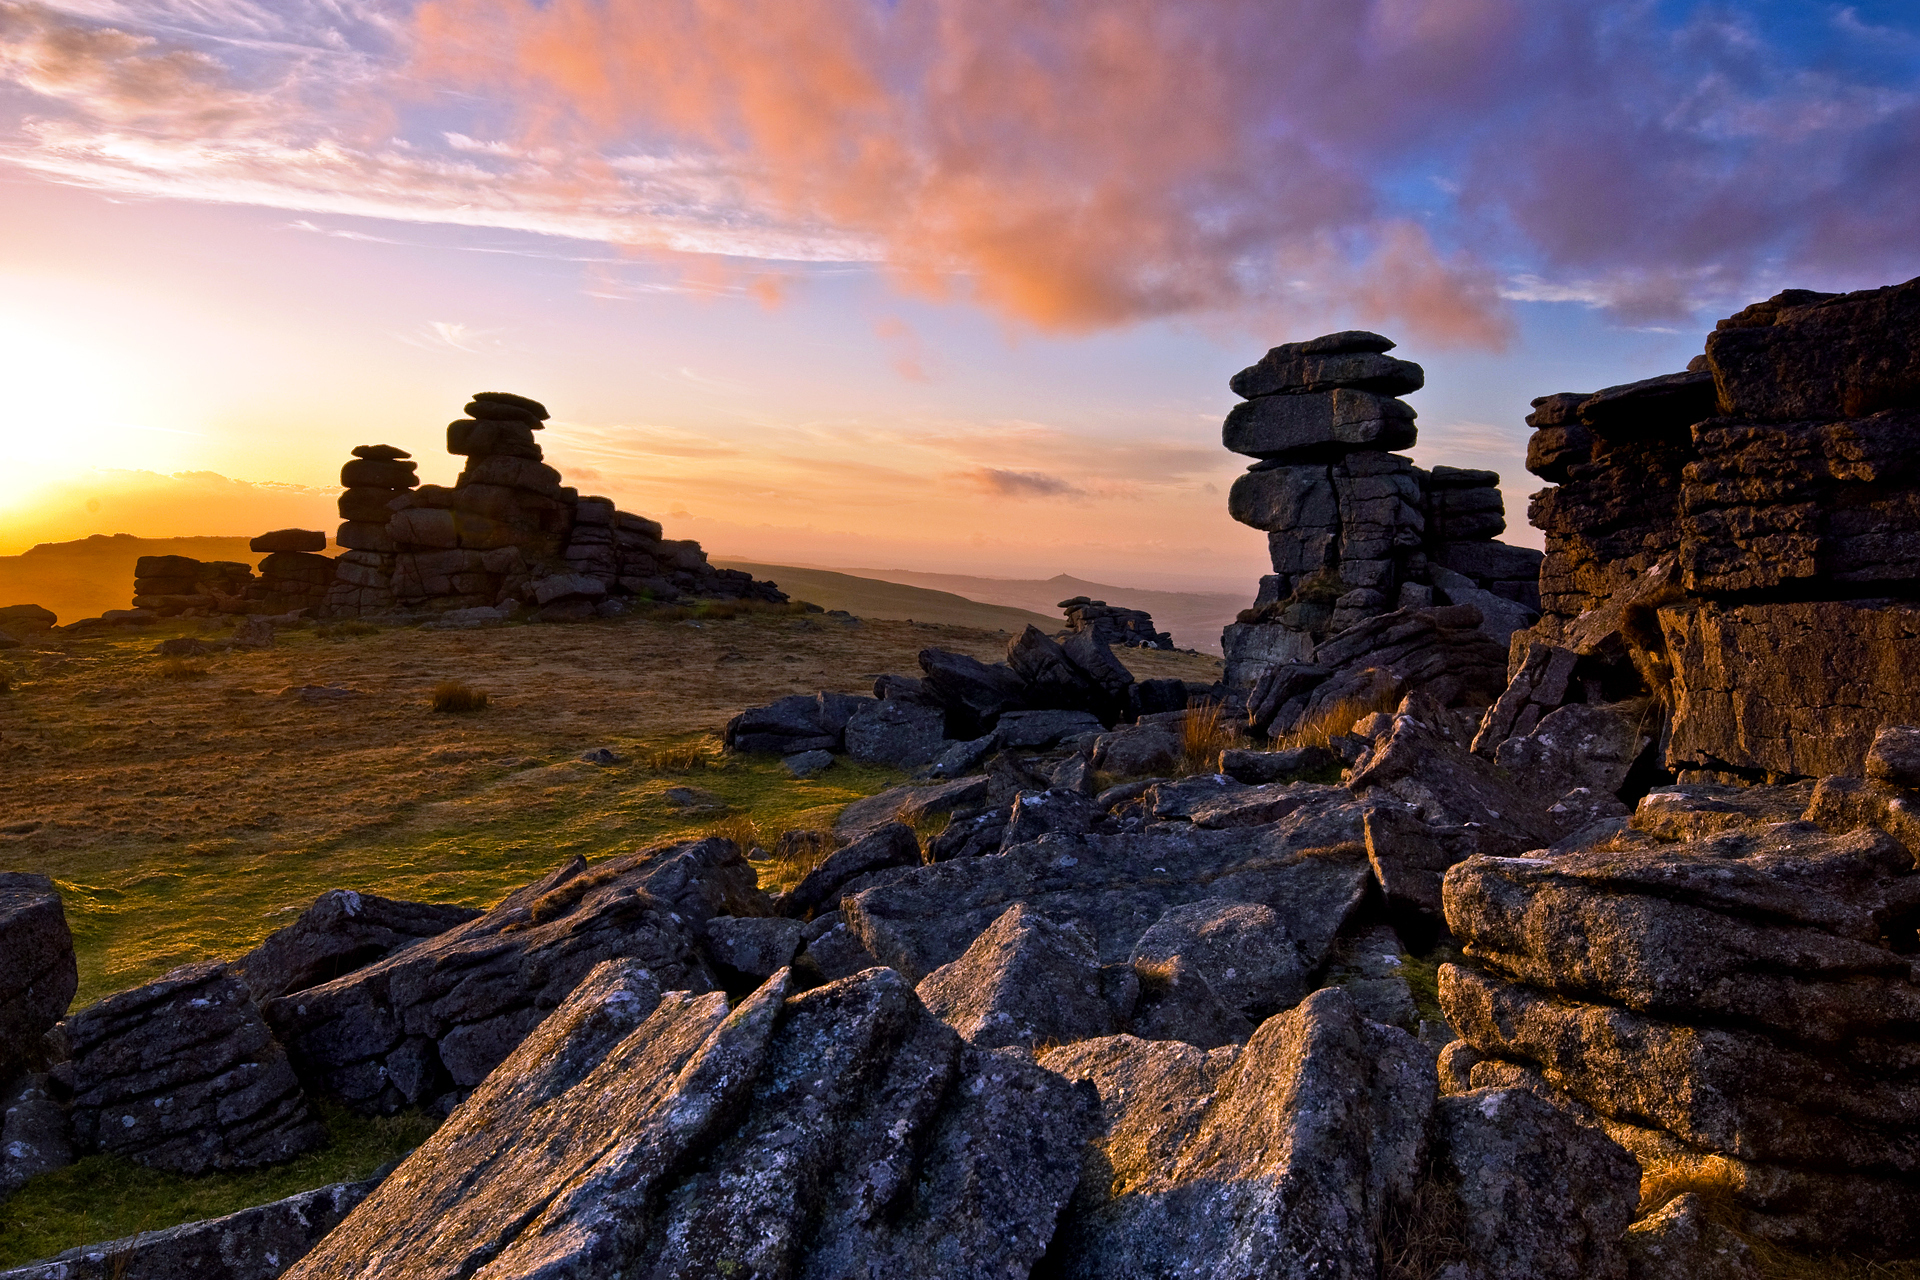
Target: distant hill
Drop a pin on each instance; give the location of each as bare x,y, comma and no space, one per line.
1193,618
871,598
83,579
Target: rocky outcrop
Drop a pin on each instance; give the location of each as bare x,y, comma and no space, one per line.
1355,530
183,1075
170,586
1740,998
843,1131
506,533
1740,541
1282,1158
431,1020
38,974
1113,624
253,1244
342,931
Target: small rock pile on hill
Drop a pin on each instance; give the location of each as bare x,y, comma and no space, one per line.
1112,624
506,533
1355,530
1740,541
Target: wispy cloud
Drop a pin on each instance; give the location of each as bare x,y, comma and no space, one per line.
448,335
1019,484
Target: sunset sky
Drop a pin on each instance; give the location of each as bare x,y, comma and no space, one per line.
939,284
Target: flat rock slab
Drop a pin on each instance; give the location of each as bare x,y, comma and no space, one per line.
342,931
837,1133
439,1015
183,1075
253,1244
1118,887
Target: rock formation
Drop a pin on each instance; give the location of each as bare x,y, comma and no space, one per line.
294,576
1354,529
170,586
506,533
1740,541
1112,624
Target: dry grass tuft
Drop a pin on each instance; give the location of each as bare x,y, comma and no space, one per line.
742,830
180,668
677,757
1422,1240
1204,734
796,853
343,629
1709,1177
456,696
1334,721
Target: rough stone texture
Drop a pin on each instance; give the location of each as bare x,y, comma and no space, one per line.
1136,751
1244,950
1278,1160
1795,689
183,1075
439,1015
289,540
1542,1197
1894,757
1737,995
339,933
896,733
758,946
1302,426
38,974
1803,355
1025,981
253,1244
33,1131
1449,786
1581,746
974,693
1681,1241
1119,886
841,1132
889,845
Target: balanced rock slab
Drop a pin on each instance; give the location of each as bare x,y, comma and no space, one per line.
38,973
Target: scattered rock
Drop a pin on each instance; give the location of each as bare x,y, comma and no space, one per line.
758,946
602,756
33,1132
342,931
38,973
1025,981
806,764
1681,1241
881,848
183,1075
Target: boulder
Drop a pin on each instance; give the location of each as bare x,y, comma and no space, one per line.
1051,812
183,1075
1314,425
910,804
38,973
1134,751
973,692
1894,757
757,946
896,733
1281,1159
254,1244
1805,356
379,473
1451,787
1026,981
1681,1241
1120,885
1030,730
1257,767
843,1131
1055,681
1292,367
289,540
786,726
1581,746
342,931
1175,1002
807,764
1244,951
1541,1197
33,1132
436,1017
880,848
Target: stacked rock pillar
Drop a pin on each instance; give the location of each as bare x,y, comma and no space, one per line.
294,574
378,476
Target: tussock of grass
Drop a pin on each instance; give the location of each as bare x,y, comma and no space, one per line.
796,853
180,668
1334,721
677,757
456,696
341,630
1204,734
1716,1182
742,830
106,1197
1421,1241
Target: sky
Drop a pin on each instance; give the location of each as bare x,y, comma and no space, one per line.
951,285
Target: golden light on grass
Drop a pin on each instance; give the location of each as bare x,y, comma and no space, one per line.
180,668
457,696
1204,734
1335,720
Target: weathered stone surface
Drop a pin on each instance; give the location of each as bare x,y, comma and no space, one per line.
1256,767
785,727
1449,786
1803,355
1121,885
441,1014
1297,366
1794,689
973,692
896,733
38,974
1681,1241
1056,678
1286,499
1134,751
183,1075
878,848
841,1132
758,946
1410,858
253,1244
1318,424
1244,950
1030,730
339,933
33,1131
1026,981
1542,1197
1894,756
1281,1159
1175,1002
1581,746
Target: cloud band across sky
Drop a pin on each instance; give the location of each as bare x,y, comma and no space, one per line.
1073,164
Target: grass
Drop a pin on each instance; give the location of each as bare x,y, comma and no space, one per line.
106,1197
1334,721
678,757
180,668
1423,979
1204,734
457,696
345,629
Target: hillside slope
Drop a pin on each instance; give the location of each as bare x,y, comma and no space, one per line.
83,578
871,598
